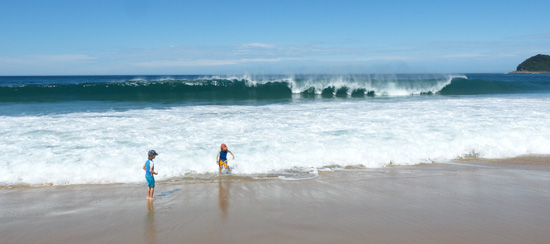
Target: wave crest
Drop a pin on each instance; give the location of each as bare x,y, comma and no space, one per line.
254,87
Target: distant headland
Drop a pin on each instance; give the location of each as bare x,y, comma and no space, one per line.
537,64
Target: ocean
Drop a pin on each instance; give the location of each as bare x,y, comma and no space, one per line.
64,130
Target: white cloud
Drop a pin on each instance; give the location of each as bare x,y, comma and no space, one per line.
474,55
46,59
203,62
383,58
7,60
464,55
531,37
264,56
260,45
65,58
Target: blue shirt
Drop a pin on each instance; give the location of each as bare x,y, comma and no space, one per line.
148,167
223,155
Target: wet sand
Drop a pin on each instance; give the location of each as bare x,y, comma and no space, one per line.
469,201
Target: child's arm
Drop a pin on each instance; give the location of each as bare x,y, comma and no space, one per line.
231,154
144,167
152,168
218,158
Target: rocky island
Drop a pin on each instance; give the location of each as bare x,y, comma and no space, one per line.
537,64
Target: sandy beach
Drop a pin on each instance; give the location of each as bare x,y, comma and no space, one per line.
470,201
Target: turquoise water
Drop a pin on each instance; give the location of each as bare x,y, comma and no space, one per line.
98,129
212,89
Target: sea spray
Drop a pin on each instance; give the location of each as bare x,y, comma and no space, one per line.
212,89
110,146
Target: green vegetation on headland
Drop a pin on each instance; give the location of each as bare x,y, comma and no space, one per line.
537,64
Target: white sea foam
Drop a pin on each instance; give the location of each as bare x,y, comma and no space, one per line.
109,147
385,85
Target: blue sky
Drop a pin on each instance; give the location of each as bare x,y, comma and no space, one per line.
264,37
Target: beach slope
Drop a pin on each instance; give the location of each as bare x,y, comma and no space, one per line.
474,201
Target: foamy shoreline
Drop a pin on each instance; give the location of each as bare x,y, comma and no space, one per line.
103,142
473,201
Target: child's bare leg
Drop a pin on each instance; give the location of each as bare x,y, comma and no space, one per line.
148,192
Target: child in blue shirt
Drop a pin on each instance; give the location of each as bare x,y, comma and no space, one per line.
149,168
221,158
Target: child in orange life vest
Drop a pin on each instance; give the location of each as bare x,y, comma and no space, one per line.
221,158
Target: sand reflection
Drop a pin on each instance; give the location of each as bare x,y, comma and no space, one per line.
223,196
150,231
